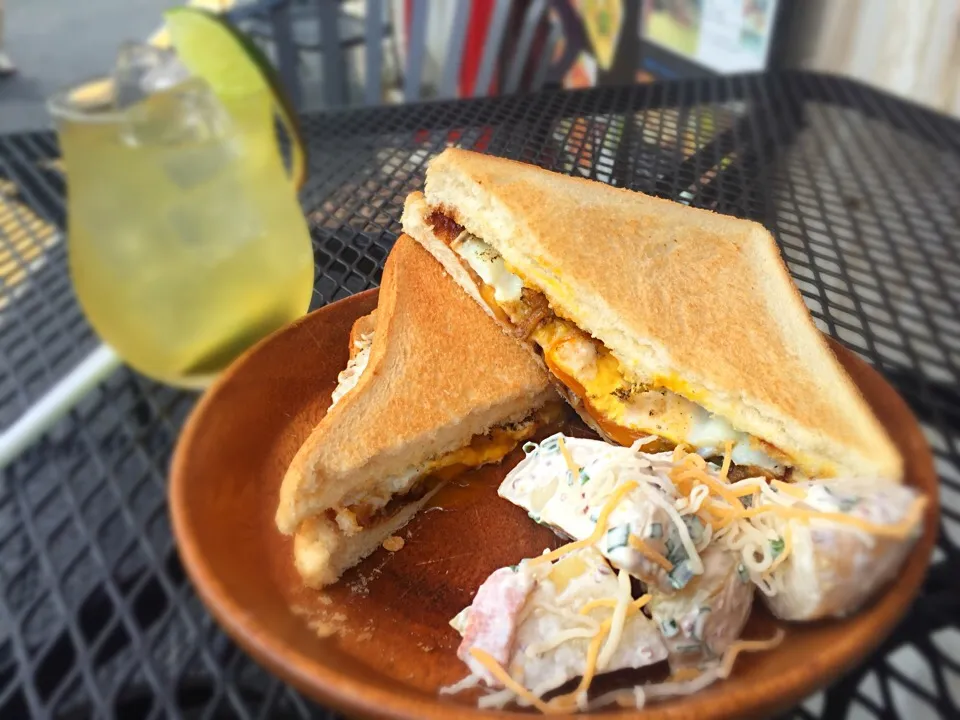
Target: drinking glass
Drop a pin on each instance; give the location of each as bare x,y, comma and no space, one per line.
186,240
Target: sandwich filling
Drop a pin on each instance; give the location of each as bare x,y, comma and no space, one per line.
371,507
349,377
624,408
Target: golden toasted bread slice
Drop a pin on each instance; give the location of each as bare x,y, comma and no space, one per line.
443,388
688,302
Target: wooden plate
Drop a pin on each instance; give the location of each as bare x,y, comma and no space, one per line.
378,643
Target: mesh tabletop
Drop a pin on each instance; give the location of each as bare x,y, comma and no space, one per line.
97,618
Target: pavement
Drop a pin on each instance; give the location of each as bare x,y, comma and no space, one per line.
58,43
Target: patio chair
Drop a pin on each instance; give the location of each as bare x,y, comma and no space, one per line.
332,53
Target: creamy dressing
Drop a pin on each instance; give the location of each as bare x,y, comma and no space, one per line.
542,484
701,621
815,566
833,569
528,619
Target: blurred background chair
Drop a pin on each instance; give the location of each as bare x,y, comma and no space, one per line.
333,53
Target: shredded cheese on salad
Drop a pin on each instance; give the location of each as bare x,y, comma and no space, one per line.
631,501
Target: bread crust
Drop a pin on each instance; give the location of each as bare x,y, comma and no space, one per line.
439,373
687,299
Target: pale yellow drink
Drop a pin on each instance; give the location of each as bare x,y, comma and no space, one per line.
186,244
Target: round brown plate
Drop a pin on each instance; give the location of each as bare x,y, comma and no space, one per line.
378,643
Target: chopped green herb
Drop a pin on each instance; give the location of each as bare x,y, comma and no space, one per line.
669,628
742,573
584,478
680,575
848,504
618,537
550,445
777,546
699,624
670,551
515,568
694,527
529,447
845,503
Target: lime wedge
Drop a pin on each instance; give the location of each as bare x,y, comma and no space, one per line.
93,94
232,64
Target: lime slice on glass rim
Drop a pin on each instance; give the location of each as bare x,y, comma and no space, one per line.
232,64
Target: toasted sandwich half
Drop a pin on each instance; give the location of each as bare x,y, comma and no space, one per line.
434,387
654,318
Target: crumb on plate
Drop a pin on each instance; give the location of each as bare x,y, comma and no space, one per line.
393,543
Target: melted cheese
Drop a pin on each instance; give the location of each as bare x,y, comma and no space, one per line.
626,412
483,449
590,371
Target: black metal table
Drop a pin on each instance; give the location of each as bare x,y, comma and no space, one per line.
861,190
